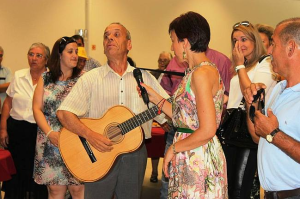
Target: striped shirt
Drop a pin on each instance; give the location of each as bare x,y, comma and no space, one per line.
102,88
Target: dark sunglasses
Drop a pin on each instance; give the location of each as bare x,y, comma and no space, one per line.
242,23
260,106
64,42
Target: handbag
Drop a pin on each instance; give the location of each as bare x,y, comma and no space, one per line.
233,131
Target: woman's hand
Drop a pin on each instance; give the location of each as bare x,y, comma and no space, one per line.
167,159
4,138
237,54
154,97
54,137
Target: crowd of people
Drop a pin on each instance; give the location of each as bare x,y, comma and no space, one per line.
61,87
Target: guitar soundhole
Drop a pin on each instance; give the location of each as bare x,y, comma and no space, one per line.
114,133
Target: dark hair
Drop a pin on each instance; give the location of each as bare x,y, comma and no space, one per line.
78,37
193,27
54,60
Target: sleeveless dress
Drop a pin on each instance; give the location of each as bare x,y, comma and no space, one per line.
49,168
200,172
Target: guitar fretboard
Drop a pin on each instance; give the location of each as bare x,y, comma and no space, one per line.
140,119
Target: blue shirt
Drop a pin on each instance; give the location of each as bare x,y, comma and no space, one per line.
5,77
277,171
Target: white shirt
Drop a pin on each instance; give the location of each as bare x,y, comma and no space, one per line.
102,88
262,72
21,90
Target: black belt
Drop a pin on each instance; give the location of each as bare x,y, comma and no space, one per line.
282,194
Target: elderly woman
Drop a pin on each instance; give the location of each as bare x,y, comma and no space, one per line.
249,65
18,127
265,33
52,88
197,161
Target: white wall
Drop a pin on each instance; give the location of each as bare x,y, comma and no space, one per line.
26,21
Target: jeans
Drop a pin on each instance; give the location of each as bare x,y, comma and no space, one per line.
164,180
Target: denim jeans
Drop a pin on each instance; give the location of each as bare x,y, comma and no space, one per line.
164,180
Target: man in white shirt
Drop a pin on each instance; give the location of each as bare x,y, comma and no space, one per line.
94,93
279,129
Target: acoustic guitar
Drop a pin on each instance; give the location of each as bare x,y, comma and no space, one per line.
120,125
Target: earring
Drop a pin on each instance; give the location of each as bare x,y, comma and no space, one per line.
184,55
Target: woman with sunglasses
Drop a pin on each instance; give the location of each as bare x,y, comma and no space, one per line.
196,159
52,88
248,65
18,127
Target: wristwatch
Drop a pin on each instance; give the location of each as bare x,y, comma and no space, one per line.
270,137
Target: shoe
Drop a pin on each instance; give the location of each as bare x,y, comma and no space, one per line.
153,179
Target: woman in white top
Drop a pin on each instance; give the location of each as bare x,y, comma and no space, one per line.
18,127
248,66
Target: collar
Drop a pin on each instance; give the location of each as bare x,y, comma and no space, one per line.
108,69
295,88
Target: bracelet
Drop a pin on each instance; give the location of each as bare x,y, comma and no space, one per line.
173,148
160,108
237,68
160,101
49,132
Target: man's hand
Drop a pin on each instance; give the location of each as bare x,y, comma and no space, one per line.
264,125
100,142
252,90
4,138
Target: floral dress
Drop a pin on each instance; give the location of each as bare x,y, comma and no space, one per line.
49,168
200,172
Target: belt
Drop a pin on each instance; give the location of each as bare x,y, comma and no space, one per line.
282,194
185,130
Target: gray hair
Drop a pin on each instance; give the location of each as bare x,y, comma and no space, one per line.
1,49
165,52
43,46
290,30
128,36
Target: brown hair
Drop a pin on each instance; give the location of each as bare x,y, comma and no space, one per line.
54,61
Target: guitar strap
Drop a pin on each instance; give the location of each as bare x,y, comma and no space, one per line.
163,71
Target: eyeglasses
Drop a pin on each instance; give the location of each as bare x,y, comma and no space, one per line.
260,106
242,23
64,42
38,55
162,61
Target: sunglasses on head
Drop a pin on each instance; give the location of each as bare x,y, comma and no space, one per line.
260,106
64,42
242,23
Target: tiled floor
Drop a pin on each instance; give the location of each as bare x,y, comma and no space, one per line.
151,190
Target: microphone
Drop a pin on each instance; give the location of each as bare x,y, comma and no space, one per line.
138,77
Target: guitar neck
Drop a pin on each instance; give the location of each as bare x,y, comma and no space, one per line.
140,119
